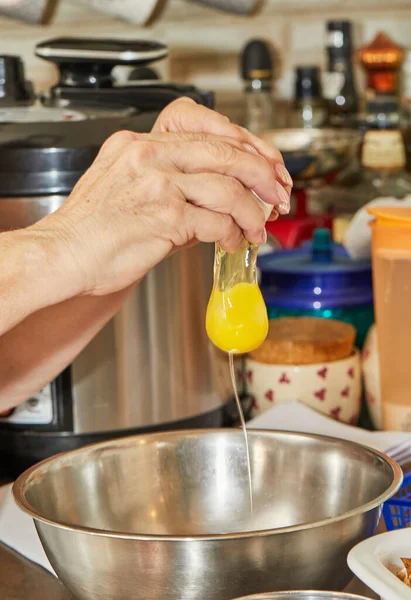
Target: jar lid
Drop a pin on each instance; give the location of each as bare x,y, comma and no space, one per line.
256,61
307,82
305,341
319,275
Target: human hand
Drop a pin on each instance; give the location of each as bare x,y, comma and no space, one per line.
148,194
184,115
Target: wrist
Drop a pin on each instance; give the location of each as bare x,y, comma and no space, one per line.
55,247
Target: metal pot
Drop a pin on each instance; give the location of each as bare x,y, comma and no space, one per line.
152,366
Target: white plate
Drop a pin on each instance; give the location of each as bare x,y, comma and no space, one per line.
377,560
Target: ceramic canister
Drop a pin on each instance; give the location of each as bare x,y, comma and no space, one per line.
333,388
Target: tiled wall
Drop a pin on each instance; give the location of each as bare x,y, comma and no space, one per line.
205,43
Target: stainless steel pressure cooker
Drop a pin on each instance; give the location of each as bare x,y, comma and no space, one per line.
152,367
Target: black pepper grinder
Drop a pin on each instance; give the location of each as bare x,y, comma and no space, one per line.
309,108
257,73
339,84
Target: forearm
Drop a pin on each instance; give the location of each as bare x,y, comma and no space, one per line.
44,320
40,347
32,275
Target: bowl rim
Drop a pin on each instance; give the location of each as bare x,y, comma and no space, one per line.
18,488
287,594
328,138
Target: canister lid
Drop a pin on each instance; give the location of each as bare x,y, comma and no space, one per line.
391,216
307,82
256,61
305,341
391,230
317,275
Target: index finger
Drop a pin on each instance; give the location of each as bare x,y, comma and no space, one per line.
184,115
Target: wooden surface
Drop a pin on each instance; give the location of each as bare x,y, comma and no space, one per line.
20,579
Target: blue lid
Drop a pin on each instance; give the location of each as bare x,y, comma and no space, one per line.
318,275
338,249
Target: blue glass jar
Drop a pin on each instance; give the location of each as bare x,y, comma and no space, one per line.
320,280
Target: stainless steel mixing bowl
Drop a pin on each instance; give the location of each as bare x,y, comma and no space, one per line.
306,595
166,516
314,153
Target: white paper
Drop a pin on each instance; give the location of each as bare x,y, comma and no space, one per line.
299,417
17,530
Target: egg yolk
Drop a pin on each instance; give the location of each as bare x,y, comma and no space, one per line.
237,318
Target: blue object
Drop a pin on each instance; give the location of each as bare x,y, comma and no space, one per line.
397,511
338,249
321,280
305,279
322,247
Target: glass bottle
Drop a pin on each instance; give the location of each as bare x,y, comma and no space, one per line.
382,157
236,320
309,108
339,82
381,60
257,72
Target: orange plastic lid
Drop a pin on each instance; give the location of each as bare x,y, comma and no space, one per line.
391,229
391,216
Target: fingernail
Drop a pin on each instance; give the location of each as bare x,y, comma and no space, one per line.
284,206
264,237
283,174
250,148
283,209
273,216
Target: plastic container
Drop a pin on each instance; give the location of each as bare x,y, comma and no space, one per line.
319,280
391,258
397,511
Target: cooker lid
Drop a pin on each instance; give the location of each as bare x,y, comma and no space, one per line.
38,158
47,143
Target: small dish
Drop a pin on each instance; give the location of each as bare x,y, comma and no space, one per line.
377,561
